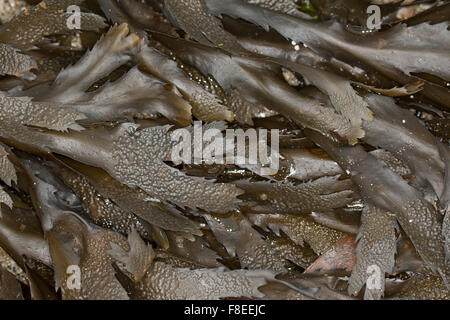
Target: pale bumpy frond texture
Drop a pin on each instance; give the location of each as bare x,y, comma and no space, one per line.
12,62
205,105
138,163
284,6
138,260
164,281
193,17
47,18
7,175
423,286
103,211
343,97
7,170
83,269
25,111
274,197
10,9
446,235
224,149
374,253
119,206
445,199
132,157
300,229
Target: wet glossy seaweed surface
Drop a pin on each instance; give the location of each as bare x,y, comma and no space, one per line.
93,204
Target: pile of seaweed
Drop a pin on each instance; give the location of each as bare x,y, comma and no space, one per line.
92,207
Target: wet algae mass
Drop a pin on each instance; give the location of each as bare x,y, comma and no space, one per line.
95,206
